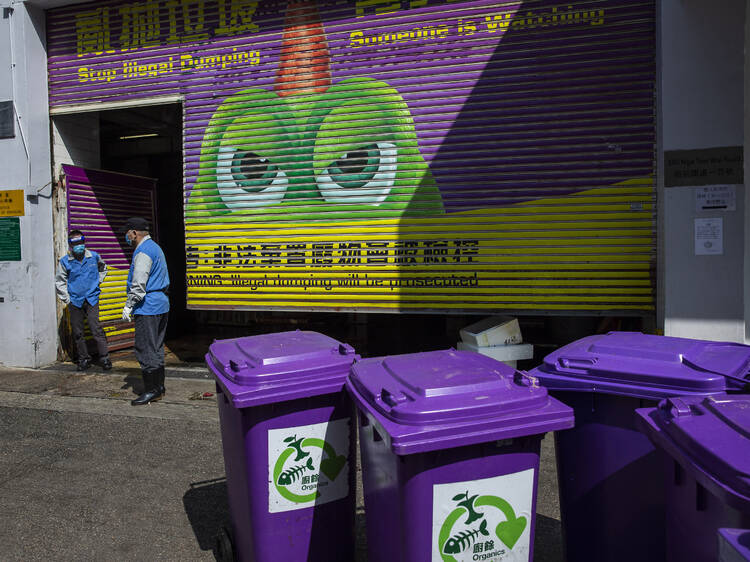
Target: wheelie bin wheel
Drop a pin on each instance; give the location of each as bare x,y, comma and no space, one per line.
224,546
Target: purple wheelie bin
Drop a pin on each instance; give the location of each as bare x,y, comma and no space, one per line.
611,502
734,545
286,430
450,455
707,476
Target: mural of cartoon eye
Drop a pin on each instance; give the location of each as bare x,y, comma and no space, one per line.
363,175
245,179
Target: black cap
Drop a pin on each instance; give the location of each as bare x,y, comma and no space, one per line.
136,223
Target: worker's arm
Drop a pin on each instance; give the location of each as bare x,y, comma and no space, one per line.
61,283
141,271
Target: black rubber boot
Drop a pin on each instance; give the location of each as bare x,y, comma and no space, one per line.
159,381
151,392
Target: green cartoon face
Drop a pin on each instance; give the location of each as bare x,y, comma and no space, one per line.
349,152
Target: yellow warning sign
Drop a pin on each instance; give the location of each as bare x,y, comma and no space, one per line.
11,203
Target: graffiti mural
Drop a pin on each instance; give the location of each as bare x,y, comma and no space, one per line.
413,155
304,156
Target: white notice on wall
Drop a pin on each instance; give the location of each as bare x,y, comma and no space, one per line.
715,198
709,237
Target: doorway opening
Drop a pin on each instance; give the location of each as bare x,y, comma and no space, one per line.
144,141
147,141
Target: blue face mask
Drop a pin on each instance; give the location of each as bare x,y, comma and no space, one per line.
128,241
78,249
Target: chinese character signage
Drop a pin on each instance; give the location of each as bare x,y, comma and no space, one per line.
10,239
708,166
12,203
118,28
715,198
402,155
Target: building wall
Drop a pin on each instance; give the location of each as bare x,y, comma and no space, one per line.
28,334
76,141
701,101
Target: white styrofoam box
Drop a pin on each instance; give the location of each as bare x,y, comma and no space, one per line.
495,330
508,354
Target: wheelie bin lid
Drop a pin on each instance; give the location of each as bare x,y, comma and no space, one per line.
734,544
709,437
280,366
645,366
440,399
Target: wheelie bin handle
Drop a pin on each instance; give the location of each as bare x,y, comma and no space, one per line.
676,406
391,399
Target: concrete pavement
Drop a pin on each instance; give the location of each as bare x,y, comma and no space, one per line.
86,476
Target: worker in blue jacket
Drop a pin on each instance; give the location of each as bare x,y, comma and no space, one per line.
148,304
79,274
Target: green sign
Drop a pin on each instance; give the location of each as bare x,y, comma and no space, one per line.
10,239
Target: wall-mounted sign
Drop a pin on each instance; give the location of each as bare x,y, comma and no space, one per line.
10,239
7,128
709,237
716,198
11,203
707,166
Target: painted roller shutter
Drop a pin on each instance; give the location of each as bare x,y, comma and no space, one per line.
99,203
384,155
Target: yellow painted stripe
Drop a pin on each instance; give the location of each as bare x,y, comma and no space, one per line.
530,216
120,332
388,292
494,305
466,296
610,268
542,278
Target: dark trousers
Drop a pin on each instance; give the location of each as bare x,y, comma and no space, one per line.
149,341
91,313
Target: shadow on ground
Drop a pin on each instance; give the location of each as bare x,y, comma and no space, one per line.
548,539
207,508
360,530
134,383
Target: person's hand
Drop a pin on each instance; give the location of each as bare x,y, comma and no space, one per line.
127,314
65,301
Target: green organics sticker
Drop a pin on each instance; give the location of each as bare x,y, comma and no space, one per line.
483,520
307,465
